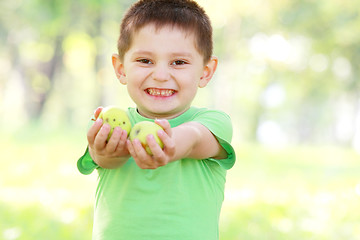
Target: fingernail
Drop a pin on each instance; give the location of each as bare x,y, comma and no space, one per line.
159,120
117,129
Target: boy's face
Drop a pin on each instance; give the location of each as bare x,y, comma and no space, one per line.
163,70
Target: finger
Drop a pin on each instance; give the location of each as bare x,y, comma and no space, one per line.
122,142
169,145
142,159
93,131
159,156
139,149
101,137
154,146
130,148
97,112
114,140
165,125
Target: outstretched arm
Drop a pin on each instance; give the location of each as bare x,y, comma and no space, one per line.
188,140
203,144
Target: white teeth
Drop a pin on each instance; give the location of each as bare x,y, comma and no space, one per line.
160,92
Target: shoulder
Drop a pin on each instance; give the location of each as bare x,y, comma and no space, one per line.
205,113
210,113
217,121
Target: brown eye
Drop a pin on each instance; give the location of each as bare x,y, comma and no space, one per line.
178,62
145,61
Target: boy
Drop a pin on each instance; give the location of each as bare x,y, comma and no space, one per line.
165,55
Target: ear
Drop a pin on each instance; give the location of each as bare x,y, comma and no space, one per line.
119,68
208,72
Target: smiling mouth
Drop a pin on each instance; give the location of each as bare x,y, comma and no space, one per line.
160,92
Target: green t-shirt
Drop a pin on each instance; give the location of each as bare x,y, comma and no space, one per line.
179,201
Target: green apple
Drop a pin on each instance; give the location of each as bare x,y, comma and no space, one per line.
115,117
143,129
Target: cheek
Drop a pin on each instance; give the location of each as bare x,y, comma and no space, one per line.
192,80
134,92
133,87
136,76
191,87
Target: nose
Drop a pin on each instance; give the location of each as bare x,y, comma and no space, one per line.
161,72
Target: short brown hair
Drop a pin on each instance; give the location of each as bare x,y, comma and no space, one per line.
185,14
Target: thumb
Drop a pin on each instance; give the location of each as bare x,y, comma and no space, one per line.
97,112
165,125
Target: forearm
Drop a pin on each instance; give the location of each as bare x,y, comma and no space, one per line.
193,140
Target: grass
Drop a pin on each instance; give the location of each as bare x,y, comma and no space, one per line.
295,193
35,221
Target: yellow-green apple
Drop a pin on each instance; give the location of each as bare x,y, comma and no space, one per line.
115,117
142,129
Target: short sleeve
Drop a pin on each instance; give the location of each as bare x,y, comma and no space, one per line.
219,123
85,164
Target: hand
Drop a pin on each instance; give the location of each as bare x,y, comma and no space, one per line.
107,154
160,156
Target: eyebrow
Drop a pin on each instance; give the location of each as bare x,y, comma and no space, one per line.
141,52
174,54
182,54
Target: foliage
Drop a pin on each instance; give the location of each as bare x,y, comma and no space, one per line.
283,65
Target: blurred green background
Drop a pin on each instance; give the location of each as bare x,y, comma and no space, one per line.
288,76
